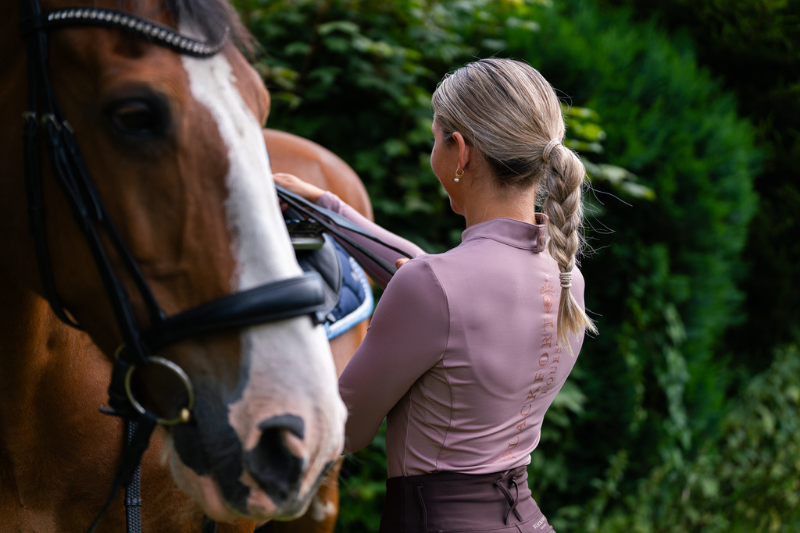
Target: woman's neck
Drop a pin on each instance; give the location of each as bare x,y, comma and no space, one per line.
490,202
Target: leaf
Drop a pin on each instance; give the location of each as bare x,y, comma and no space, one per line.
293,49
343,26
530,25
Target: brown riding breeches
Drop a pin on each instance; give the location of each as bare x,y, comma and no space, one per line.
448,502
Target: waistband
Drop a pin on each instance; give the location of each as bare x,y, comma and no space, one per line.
450,502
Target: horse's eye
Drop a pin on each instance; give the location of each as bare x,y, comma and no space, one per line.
138,118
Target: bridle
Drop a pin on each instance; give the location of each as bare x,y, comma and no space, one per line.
45,124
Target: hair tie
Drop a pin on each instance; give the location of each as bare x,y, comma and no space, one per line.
566,279
549,148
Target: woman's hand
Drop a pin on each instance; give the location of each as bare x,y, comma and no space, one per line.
294,184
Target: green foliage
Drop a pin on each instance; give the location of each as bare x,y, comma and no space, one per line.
363,487
587,135
747,480
357,76
755,47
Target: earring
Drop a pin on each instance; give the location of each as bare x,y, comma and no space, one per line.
458,176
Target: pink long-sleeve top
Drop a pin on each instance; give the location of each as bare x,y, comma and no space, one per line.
461,354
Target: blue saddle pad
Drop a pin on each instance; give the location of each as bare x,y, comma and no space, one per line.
355,297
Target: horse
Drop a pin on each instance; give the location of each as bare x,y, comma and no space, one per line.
166,116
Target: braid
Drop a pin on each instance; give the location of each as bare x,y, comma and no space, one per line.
564,209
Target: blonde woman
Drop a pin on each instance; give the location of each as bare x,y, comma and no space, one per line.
467,349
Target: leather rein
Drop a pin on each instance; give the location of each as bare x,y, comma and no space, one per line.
45,127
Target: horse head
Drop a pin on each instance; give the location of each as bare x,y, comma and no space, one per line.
175,149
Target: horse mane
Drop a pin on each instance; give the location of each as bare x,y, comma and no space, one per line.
211,18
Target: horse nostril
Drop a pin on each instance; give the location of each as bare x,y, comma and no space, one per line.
272,463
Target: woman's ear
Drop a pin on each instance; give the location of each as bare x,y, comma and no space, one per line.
463,150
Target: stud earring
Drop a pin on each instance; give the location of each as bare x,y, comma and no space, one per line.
458,175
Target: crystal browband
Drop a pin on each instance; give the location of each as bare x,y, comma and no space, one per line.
161,35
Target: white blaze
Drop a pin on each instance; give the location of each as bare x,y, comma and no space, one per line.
261,246
291,369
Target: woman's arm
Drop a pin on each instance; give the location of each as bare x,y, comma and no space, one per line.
406,337
334,203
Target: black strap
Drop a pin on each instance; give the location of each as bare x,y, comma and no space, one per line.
274,301
333,221
208,526
45,122
154,32
36,46
71,175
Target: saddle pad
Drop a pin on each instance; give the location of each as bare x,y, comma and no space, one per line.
355,297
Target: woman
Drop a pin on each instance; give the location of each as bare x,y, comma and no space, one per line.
467,349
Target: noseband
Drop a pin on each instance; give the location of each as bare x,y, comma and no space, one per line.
45,125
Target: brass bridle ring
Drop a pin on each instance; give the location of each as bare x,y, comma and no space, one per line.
185,413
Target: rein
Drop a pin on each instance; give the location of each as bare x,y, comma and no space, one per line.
333,223
45,126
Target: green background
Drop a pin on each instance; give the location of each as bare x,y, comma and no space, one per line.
682,415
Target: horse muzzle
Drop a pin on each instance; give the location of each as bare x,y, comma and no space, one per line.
276,479
261,451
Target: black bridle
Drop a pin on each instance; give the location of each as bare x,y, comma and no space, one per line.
46,127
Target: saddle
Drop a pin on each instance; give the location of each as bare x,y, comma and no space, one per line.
348,296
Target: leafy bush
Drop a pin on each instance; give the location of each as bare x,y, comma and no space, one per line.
745,481
755,48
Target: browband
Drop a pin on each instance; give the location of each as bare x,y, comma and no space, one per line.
111,18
